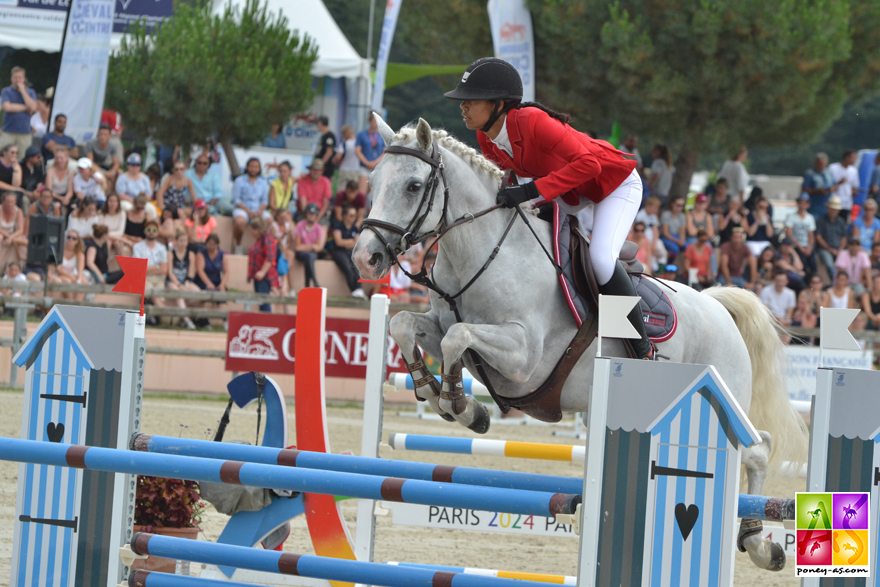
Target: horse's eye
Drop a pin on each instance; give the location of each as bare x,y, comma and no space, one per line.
414,187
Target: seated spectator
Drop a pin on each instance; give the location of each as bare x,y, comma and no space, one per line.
720,202
644,254
735,218
135,221
97,255
169,223
830,235
766,270
106,154
14,273
275,140
59,178
399,282
282,229
208,186
250,199
309,239
699,218
84,218
211,266
262,261
874,258
839,295
154,174
779,299
649,216
699,256
871,303
132,182
346,158
87,184
281,190
803,316
13,238
800,227
33,175
182,272
673,223
737,265
71,268
866,228
314,188
177,190
350,197
760,227
201,225
10,169
789,262
156,255
854,261
345,236
52,141
44,205
114,218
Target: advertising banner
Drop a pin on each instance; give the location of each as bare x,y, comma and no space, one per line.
512,37
265,343
392,9
50,14
800,377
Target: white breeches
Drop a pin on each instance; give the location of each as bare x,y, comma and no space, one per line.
612,219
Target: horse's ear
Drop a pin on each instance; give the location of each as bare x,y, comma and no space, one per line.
424,136
384,130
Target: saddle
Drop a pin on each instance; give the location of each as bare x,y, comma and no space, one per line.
571,250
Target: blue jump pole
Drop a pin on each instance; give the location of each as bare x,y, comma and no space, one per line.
750,506
514,501
352,464
304,565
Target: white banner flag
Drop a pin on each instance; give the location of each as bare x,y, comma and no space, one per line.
512,37
392,9
79,93
834,329
613,312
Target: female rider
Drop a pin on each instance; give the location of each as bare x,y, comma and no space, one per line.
533,141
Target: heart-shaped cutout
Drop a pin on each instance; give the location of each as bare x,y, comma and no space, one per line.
55,432
686,516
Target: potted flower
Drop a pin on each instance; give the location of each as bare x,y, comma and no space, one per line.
170,507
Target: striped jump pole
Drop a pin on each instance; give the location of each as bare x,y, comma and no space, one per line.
360,465
317,567
557,579
495,448
513,501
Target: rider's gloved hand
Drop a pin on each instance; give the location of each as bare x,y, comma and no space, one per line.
514,195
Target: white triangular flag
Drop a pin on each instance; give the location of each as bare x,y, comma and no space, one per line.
834,329
613,312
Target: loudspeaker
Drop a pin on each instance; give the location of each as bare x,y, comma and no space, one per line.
45,239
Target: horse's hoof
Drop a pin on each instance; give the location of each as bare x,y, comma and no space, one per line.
777,558
482,419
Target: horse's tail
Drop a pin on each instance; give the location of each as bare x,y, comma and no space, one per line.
770,409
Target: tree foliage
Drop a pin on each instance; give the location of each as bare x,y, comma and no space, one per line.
230,75
707,74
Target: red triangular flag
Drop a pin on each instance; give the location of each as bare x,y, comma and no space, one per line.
134,278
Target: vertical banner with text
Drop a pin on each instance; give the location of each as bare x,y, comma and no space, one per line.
392,9
512,37
82,79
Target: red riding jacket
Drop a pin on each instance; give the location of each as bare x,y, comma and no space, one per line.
563,161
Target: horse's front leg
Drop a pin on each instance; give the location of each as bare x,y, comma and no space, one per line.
765,553
410,329
503,346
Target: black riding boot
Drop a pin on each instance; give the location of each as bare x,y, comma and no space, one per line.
620,284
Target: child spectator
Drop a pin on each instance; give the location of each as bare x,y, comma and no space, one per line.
262,260
13,273
309,239
345,235
282,229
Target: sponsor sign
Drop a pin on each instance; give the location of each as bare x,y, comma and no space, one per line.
800,375
265,343
511,24
50,14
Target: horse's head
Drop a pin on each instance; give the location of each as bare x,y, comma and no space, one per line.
408,199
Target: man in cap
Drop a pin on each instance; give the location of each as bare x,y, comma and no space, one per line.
831,234
250,199
315,188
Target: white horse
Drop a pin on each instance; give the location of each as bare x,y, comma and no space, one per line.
516,318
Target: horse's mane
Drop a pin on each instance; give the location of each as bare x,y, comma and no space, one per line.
471,156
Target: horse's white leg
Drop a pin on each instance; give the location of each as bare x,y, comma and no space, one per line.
504,346
409,329
764,553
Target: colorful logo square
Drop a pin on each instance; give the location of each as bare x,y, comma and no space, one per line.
814,548
850,548
814,511
850,511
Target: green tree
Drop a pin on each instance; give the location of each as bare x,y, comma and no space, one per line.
707,75
230,75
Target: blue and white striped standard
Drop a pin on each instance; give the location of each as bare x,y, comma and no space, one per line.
360,465
317,567
515,501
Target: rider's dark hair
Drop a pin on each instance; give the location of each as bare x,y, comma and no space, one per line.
515,105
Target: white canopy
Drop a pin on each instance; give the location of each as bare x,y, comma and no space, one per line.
336,56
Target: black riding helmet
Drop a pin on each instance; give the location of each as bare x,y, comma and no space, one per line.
489,78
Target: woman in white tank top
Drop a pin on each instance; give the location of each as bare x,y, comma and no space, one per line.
71,268
839,295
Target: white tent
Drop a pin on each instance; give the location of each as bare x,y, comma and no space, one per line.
336,56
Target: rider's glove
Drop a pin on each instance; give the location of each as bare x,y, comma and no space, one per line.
515,195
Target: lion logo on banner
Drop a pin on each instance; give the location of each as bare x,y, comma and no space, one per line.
254,342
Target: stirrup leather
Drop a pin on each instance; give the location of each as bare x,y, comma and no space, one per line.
452,388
